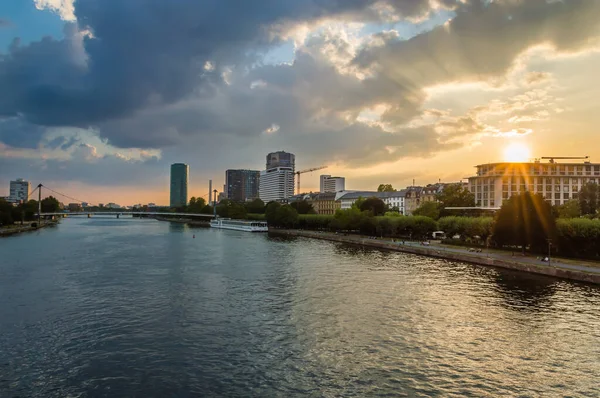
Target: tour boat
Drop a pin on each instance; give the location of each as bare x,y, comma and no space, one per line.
239,225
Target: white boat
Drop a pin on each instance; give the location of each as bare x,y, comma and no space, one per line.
239,225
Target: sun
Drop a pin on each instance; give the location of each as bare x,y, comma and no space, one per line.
517,152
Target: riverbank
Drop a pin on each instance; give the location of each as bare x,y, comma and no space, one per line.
193,223
19,229
557,268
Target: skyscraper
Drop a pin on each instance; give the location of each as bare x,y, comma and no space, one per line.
332,184
19,190
179,184
277,181
242,185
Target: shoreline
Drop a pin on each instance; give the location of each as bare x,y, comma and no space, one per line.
589,275
24,229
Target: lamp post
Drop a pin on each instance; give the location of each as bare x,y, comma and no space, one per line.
215,203
549,250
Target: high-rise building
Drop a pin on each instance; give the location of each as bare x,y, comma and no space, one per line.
281,159
557,182
332,184
241,185
19,190
276,182
179,184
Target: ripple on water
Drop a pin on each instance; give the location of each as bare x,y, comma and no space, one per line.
139,308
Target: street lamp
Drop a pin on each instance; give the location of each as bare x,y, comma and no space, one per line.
215,203
549,249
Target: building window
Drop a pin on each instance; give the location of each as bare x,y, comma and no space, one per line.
504,195
548,195
548,188
540,188
492,203
557,196
565,196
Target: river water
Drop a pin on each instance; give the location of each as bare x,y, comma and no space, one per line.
141,308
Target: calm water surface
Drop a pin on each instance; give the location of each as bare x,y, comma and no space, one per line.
140,308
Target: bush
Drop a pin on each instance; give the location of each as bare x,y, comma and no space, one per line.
474,228
578,237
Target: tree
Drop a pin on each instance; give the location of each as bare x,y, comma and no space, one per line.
358,203
385,188
375,206
454,195
588,198
229,209
286,216
525,220
570,209
271,212
428,209
257,206
6,212
50,205
303,207
196,205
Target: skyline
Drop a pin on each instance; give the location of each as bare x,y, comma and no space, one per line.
380,92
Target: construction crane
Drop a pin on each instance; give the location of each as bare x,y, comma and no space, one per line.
306,171
551,158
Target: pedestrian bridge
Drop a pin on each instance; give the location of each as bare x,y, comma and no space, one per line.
126,213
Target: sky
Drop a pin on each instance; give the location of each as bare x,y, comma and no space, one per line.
99,97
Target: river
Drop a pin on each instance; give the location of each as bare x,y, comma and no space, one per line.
140,308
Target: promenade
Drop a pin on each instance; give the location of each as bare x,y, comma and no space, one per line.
583,271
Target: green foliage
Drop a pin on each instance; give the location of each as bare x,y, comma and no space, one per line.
473,228
50,205
286,216
571,209
374,205
255,217
257,206
6,212
358,203
588,198
454,195
579,237
196,205
303,207
428,209
314,221
228,209
393,213
385,188
271,212
525,220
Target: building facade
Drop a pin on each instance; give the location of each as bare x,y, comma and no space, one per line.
179,184
281,159
392,199
332,184
242,185
557,182
19,190
276,182
325,203
412,199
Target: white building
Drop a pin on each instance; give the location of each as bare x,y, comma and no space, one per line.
19,190
276,184
558,183
392,199
332,184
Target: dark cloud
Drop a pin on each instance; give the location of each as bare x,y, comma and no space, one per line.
140,80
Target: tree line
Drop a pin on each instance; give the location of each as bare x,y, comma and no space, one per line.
25,212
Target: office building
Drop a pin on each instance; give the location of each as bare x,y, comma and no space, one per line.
241,185
332,184
276,183
557,182
179,184
19,190
281,159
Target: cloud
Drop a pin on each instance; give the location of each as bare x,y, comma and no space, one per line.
173,76
64,8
